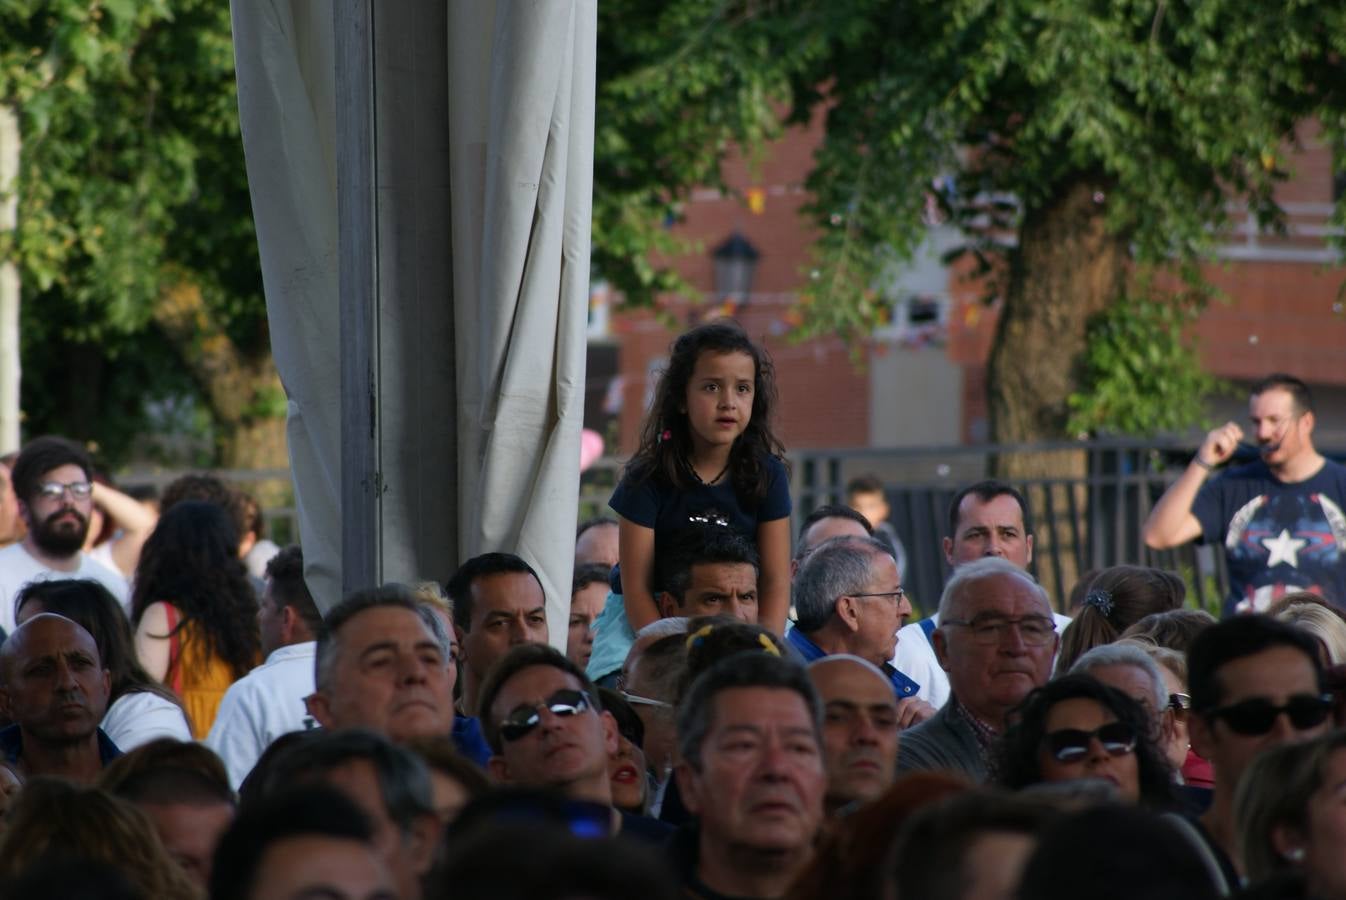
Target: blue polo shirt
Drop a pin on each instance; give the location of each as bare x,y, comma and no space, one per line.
902,685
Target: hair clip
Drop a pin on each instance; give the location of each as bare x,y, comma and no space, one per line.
769,645
694,640
1101,600
665,435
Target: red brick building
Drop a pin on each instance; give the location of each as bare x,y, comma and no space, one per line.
923,378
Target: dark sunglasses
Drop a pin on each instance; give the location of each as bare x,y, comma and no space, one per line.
1070,745
523,719
1258,715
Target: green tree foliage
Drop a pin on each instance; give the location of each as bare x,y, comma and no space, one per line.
1162,111
132,181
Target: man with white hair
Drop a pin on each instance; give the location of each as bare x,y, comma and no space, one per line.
996,640
986,519
1131,670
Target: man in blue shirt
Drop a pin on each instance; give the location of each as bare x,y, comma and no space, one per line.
848,598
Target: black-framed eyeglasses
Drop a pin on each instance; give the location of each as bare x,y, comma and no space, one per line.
523,719
1258,715
1071,745
1035,631
55,490
897,595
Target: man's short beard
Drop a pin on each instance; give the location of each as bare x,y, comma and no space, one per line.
58,541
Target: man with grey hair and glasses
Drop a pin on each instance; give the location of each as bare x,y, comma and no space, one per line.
385,665
848,598
996,640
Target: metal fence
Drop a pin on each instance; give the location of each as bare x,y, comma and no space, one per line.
1086,516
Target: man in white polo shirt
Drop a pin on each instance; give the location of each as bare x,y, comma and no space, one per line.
986,519
269,701
52,482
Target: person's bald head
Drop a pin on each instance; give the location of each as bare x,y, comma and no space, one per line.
52,679
41,631
860,728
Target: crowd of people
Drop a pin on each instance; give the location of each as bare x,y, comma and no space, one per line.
734,711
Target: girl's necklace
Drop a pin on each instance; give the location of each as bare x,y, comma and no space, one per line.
714,480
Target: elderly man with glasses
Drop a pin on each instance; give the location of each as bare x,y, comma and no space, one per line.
848,598
52,480
996,640
547,729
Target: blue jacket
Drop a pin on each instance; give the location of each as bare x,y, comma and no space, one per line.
902,685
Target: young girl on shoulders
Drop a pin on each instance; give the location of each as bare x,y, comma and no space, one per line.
708,456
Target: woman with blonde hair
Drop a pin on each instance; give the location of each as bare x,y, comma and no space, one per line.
1312,613
54,819
1291,818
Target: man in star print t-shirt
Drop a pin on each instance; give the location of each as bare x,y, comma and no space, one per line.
1280,518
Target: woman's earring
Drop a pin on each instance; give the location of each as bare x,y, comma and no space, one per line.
1295,854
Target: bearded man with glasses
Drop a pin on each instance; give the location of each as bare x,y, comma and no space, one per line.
996,640
547,729
1256,683
52,482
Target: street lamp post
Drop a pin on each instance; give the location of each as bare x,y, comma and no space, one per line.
735,265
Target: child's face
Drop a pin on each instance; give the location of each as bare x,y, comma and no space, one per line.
719,398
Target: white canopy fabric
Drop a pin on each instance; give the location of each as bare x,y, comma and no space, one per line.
520,79
521,124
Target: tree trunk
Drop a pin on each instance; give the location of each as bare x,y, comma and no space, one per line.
244,392
1067,268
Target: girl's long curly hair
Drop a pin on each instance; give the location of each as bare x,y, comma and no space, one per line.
666,438
191,561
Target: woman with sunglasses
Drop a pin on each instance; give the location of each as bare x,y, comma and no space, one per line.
1076,727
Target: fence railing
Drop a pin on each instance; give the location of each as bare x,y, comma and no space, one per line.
1087,504
1087,510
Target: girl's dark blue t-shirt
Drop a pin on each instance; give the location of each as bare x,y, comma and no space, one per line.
654,503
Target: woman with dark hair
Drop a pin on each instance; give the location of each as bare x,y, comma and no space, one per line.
139,708
195,613
1077,727
1117,598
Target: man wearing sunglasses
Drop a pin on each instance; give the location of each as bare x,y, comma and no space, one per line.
996,640
52,482
547,729
1255,683
848,598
